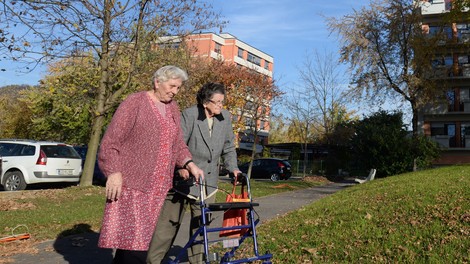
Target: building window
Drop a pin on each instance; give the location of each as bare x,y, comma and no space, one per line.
247,139
250,106
444,32
254,59
450,100
249,122
218,48
437,130
262,140
266,65
173,45
240,52
463,33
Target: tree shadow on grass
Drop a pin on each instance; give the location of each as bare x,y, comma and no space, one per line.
79,245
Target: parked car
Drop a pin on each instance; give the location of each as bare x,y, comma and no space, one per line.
268,168
98,176
27,162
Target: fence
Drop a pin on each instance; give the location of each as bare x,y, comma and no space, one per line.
315,167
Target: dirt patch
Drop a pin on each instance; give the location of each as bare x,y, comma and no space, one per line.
27,246
18,200
284,185
315,178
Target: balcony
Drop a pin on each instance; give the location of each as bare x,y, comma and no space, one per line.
442,140
433,7
448,71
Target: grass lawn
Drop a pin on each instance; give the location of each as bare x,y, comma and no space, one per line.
52,213
420,217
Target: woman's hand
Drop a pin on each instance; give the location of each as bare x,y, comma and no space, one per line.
195,171
183,173
114,186
236,172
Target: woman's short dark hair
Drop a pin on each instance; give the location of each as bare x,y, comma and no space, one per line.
208,90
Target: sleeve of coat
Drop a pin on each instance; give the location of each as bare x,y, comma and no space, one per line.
183,154
229,152
109,156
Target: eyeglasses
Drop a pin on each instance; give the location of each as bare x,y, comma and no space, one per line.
219,103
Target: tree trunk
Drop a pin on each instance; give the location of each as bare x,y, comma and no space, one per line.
89,167
414,122
305,159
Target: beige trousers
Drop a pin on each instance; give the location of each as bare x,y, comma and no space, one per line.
169,222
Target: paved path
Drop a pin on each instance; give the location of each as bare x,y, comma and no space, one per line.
82,249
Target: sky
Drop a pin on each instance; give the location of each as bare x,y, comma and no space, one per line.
290,30
284,29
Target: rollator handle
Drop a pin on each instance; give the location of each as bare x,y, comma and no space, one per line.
191,181
241,177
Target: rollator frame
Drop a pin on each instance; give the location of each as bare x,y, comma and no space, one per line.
204,230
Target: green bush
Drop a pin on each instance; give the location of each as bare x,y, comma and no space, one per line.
381,141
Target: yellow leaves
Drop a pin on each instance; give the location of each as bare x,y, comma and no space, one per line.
368,216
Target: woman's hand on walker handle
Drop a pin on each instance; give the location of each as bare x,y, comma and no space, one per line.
183,173
195,171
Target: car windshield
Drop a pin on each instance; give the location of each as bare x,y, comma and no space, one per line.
60,151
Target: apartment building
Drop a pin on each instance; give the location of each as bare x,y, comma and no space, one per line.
228,48
448,123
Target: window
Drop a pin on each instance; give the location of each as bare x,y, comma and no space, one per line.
266,64
174,45
450,95
437,129
249,122
247,139
262,124
8,149
250,106
463,33
218,48
240,52
444,33
254,59
28,151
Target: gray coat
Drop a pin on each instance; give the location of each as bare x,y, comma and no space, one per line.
207,150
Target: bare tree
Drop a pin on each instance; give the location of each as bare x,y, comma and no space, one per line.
318,104
388,52
39,31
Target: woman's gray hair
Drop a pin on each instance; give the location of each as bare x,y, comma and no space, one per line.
169,72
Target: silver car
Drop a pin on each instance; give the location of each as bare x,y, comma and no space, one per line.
27,162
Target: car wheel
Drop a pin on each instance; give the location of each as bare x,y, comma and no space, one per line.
274,177
14,181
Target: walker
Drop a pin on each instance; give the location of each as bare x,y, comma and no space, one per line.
231,244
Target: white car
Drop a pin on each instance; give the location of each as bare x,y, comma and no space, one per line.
27,162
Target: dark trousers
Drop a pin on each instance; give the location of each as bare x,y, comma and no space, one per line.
129,257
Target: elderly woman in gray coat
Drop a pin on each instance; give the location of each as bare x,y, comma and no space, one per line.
207,130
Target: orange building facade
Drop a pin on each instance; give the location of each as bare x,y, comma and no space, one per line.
229,49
